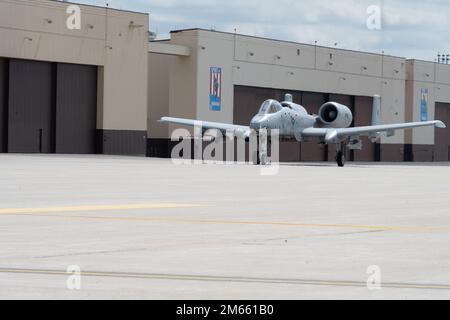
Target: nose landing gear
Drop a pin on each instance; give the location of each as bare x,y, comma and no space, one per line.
260,156
340,155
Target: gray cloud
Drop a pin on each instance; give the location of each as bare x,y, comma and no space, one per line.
410,28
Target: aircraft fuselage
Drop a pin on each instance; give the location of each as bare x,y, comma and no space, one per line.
290,120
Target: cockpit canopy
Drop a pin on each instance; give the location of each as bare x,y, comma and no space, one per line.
270,106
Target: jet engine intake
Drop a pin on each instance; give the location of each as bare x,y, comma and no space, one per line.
335,115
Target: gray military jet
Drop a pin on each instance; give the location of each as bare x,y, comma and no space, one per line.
331,125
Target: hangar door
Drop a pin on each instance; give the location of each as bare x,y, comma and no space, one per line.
51,108
31,107
442,136
76,109
311,150
3,104
362,114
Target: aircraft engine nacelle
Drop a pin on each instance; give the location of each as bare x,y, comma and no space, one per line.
335,115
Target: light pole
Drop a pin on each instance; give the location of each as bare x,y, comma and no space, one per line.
315,54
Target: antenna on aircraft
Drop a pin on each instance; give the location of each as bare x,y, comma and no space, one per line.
288,97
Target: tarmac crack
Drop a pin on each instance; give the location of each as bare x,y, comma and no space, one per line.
90,253
285,240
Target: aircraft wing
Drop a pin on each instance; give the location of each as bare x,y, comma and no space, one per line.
242,131
334,134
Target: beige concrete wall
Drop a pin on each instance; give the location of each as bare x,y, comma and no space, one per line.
268,63
215,51
126,76
435,78
27,34
159,66
442,81
183,79
36,30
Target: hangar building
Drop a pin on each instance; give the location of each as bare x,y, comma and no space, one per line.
101,88
254,69
72,91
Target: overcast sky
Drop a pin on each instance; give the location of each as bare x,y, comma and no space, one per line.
409,28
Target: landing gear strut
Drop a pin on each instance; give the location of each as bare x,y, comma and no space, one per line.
256,158
261,157
340,155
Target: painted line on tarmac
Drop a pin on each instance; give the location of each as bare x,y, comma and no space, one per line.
405,229
203,278
115,207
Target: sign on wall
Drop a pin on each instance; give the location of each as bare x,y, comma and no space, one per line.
215,90
424,105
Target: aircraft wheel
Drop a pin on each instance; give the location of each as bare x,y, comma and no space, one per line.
340,158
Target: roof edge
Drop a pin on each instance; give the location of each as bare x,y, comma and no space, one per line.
286,41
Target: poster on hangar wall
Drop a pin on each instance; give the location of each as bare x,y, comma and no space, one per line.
215,89
424,105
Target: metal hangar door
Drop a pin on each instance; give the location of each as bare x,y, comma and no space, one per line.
47,107
442,136
31,112
3,104
76,109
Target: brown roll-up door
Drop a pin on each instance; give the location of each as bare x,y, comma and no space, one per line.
31,107
362,116
3,104
312,151
76,109
442,136
247,101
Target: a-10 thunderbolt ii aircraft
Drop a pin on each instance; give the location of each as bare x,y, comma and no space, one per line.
331,125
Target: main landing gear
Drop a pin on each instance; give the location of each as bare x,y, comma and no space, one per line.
340,154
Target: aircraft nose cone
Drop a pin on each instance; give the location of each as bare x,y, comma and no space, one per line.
258,123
